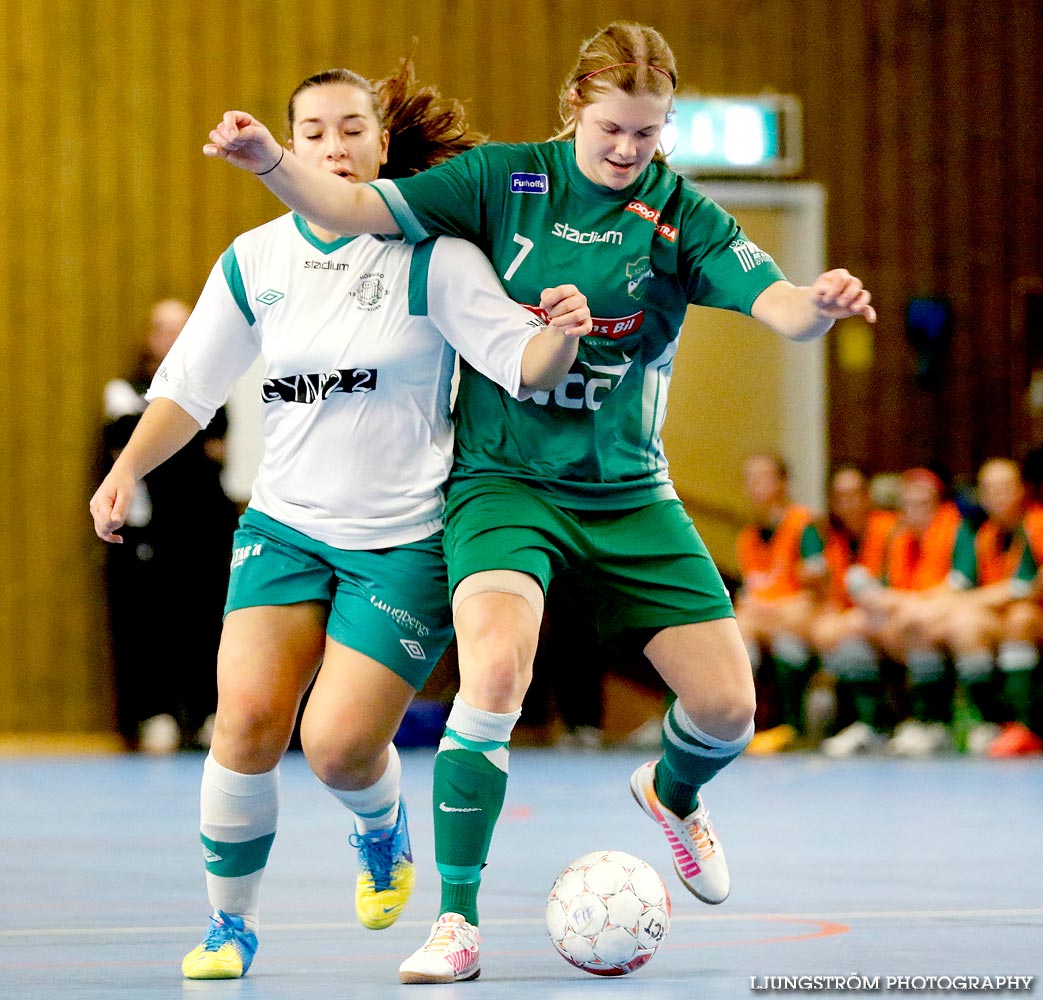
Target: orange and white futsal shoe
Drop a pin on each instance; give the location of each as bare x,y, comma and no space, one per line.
449,955
698,856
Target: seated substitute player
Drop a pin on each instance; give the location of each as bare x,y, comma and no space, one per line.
908,608
856,534
783,573
998,621
577,477
337,572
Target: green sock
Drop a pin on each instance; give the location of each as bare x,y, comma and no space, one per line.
931,701
865,697
1017,695
980,696
792,679
468,796
690,759
930,693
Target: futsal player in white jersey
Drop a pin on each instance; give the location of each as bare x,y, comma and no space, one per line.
577,478
337,570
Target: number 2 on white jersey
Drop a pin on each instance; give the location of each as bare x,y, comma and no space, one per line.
526,247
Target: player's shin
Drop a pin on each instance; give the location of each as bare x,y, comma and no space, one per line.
470,781
690,758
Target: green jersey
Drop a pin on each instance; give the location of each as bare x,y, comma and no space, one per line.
640,255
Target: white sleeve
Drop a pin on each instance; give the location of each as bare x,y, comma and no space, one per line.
217,345
467,303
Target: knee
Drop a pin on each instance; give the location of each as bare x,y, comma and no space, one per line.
497,683
251,735
971,629
1023,622
727,711
496,650
341,759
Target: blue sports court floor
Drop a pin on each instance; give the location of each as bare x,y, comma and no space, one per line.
870,867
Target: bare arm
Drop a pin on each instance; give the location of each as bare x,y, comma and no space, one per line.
807,311
348,209
549,355
164,429
998,596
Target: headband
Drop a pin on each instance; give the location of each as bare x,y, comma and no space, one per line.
605,69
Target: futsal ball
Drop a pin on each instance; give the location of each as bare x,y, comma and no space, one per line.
607,912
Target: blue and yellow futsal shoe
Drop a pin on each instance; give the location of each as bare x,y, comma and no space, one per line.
386,873
226,951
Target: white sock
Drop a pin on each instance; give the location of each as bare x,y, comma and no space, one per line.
237,819
376,807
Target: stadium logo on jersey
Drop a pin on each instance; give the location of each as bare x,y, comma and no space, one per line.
587,389
325,265
371,291
311,388
270,296
530,184
566,232
663,229
638,272
749,254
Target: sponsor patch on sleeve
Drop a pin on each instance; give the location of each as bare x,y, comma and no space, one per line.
749,254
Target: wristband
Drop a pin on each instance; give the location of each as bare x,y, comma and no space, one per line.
282,153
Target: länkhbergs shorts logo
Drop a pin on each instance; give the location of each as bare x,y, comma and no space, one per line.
401,616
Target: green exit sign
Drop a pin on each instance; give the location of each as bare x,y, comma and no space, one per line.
735,136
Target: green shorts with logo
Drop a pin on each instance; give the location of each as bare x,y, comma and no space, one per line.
643,568
390,604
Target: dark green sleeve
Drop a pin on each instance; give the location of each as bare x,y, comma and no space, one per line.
964,559
1027,567
444,200
811,544
725,269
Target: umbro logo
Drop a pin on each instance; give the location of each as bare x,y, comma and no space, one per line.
210,857
414,649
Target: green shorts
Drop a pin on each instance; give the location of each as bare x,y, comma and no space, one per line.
644,568
390,604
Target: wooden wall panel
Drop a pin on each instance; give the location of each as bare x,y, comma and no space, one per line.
922,122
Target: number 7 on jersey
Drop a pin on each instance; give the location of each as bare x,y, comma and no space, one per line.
526,247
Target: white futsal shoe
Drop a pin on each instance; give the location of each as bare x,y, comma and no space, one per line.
913,738
857,739
698,855
449,955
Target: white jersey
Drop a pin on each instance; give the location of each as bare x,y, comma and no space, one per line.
358,339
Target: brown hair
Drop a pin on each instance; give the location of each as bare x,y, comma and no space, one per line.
425,127
632,57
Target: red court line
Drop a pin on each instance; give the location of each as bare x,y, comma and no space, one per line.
823,929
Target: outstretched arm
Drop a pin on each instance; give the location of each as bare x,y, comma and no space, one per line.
163,430
348,209
807,312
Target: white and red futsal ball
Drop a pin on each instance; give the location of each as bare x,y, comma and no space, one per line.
608,912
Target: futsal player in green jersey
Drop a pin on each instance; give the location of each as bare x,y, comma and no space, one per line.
577,477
